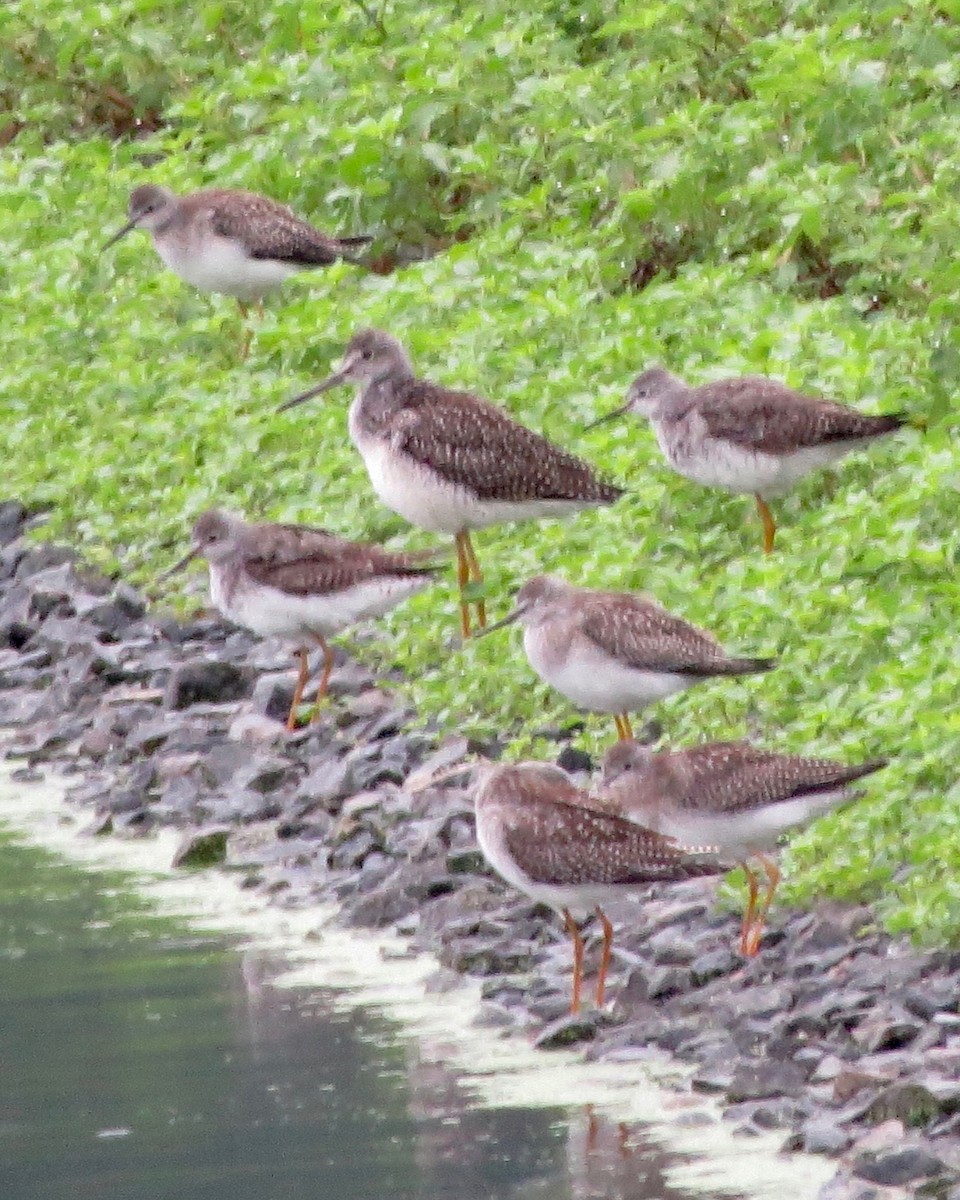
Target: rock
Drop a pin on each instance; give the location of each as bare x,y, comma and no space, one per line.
915,1104
762,1002
569,1030
713,965
205,848
12,518
765,1080
273,695
205,681
897,1166
820,1135
573,760
888,1028
851,1080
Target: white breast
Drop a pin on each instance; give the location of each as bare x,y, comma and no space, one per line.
269,612
218,264
593,680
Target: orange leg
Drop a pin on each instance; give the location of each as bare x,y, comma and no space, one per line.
624,728
750,912
605,956
577,960
476,576
298,690
772,872
324,678
461,541
769,524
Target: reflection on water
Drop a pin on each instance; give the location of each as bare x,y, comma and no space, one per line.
137,1061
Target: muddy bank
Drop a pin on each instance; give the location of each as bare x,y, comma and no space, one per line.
843,1038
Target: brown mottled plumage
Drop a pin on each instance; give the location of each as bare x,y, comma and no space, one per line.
615,652
732,794
450,461
223,240
300,583
547,838
749,434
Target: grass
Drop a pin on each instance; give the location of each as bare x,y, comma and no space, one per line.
601,186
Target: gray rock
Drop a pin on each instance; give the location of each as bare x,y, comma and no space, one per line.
273,695
820,1135
205,682
765,1080
888,1028
897,1166
204,848
915,1104
12,518
713,965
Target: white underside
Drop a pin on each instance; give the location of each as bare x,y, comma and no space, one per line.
269,612
222,265
739,835
580,901
426,500
724,465
593,680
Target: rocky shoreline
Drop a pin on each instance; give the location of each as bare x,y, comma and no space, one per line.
842,1037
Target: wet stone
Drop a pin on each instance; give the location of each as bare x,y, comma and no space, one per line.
205,682
205,848
712,965
765,1080
820,1135
897,1166
569,1030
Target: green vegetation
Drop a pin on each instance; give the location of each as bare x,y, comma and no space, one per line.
715,186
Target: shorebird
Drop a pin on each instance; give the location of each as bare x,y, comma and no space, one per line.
450,461
239,243
615,652
299,584
732,795
546,838
748,434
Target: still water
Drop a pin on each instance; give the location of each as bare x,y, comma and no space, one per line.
140,1060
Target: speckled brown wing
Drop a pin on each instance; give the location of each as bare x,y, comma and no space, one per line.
302,560
567,845
475,445
764,415
733,777
645,636
270,230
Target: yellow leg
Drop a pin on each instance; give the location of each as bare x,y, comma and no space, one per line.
624,728
769,524
463,578
577,960
750,912
605,956
476,576
324,678
772,872
298,690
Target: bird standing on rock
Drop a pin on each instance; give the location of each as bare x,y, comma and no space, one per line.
450,461
748,434
299,583
545,836
239,243
732,795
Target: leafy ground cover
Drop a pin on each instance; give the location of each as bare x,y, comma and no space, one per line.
596,186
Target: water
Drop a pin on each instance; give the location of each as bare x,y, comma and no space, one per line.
141,1059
